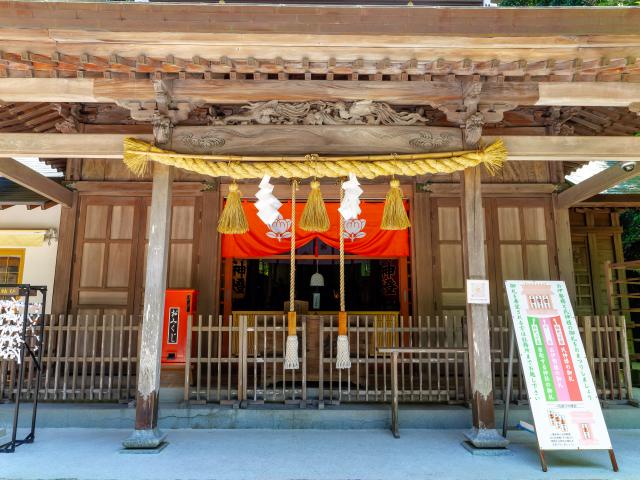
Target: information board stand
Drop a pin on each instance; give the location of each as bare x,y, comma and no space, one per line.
540,297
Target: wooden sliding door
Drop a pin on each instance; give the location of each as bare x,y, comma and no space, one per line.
519,245
111,247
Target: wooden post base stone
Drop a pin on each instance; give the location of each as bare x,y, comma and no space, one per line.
486,438
145,439
485,452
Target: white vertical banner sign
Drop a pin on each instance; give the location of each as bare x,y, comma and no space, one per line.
563,398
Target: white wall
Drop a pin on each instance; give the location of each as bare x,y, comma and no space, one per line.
39,262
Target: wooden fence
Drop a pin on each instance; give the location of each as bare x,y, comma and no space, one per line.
438,377
84,358
623,298
240,359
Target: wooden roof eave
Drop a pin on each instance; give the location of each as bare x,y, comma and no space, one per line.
313,39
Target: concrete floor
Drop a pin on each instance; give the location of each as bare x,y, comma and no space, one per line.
305,454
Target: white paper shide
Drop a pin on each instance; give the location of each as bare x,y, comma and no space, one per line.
11,323
267,204
350,205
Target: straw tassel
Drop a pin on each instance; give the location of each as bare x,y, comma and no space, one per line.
232,219
136,156
394,216
494,156
291,347
314,216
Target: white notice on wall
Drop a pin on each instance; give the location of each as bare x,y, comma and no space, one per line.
562,395
478,291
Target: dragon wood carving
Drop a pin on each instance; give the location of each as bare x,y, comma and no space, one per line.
363,112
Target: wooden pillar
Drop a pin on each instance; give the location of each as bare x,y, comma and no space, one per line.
564,249
483,434
64,257
209,263
146,433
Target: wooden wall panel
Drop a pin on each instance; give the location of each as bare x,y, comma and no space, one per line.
519,245
119,265
106,248
448,265
596,237
110,251
524,243
209,264
582,272
421,254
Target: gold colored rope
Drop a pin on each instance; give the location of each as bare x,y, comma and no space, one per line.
342,301
137,154
292,274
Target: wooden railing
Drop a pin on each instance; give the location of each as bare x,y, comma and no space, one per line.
607,349
605,343
432,377
240,360
623,298
84,358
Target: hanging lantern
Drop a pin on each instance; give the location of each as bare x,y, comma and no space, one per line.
317,280
232,219
394,215
314,216
267,203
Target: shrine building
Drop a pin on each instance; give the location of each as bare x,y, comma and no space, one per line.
397,151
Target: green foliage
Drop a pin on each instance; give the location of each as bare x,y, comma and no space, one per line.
569,3
630,220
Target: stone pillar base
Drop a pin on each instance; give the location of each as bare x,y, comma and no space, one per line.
145,439
486,438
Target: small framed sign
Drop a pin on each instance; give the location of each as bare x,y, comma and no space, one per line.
478,291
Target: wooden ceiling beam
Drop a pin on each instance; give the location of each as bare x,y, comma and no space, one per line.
34,181
570,148
588,94
520,147
612,200
608,178
60,20
438,92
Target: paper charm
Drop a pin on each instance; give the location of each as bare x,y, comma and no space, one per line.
350,205
11,318
267,203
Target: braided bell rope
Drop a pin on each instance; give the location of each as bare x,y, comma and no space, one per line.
342,293
292,259
138,153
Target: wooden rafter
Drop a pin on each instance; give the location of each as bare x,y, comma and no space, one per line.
60,65
18,173
598,183
30,117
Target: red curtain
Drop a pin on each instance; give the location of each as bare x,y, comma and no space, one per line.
362,236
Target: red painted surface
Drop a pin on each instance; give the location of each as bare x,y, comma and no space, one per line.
178,305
